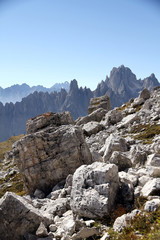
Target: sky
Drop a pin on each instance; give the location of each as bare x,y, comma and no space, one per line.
43,42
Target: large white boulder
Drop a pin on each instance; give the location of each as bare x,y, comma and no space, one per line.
94,189
152,187
113,143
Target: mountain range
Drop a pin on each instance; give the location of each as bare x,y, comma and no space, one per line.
120,86
16,92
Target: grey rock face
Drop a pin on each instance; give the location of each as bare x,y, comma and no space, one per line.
152,205
126,121
94,189
49,156
17,217
42,230
119,87
121,160
127,189
152,187
112,117
48,119
92,128
113,143
125,220
96,116
99,102
55,207
145,94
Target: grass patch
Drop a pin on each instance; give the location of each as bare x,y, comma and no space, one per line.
124,106
12,181
146,132
137,108
145,226
15,185
7,145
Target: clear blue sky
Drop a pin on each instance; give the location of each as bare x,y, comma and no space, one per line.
48,41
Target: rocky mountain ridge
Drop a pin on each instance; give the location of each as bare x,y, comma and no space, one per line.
77,173
120,87
16,92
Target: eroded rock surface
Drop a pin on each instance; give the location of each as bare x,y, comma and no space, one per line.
56,158
18,217
48,156
94,189
99,102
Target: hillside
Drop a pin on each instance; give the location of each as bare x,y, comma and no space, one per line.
95,178
120,87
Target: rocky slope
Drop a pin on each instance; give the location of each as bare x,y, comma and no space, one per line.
120,87
16,92
81,177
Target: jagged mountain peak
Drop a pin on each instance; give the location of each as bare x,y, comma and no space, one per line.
73,85
119,77
120,87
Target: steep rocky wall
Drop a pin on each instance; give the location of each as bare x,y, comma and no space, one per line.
50,153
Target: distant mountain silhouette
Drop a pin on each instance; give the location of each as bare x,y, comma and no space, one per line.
16,92
123,85
120,87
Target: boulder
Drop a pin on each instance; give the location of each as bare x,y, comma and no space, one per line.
145,94
99,102
128,178
92,128
126,188
85,233
49,119
152,205
96,116
125,220
18,217
153,160
128,120
55,207
42,230
138,156
113,143
112,117
153,171
39,194
152,187
143,180
156,146
137,102
94,189
47,157
121,160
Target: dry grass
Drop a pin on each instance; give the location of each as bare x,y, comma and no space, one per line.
146,132
11,182
124,106
7,145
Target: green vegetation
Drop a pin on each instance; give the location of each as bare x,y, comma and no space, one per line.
12,184
11,180
7,145
146,132
145,226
